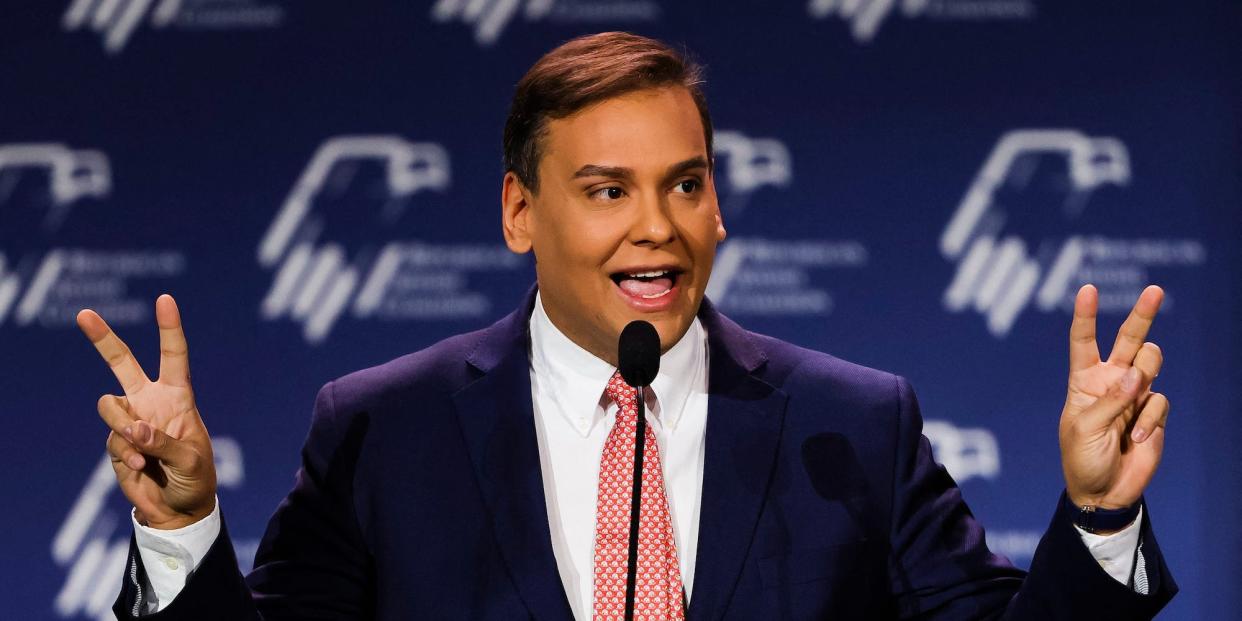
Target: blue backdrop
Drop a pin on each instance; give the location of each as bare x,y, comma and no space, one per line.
916,185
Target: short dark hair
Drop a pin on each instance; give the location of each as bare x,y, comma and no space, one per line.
584,71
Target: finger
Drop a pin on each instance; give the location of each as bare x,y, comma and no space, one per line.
114,351
156,443
114,411
1133,331
121,451
1154,415
143,436
1116,402
1149,360
1084,353
174,354
1154,444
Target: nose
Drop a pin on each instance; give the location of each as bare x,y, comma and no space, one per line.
652,224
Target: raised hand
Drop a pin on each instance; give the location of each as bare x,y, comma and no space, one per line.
160,449
1112,427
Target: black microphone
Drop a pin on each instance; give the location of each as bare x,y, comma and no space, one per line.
638,359
638,353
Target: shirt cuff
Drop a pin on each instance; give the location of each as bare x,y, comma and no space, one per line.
169,556
1115,552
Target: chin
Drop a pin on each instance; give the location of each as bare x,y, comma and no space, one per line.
671,329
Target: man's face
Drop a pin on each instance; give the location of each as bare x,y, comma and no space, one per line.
625,224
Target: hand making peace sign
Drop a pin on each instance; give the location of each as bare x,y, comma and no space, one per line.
1112,427
160,449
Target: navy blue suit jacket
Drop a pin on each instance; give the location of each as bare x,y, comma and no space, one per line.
420,497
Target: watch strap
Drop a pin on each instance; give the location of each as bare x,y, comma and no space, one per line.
1094,519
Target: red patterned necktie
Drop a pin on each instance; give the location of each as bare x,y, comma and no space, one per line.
658,588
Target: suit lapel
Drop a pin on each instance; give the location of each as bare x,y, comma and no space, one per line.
497,422
744,419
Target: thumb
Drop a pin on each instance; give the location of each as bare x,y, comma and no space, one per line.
151,441
1115,402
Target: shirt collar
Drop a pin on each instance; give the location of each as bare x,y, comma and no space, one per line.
575,378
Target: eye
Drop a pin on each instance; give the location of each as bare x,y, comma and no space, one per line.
611,193
687,186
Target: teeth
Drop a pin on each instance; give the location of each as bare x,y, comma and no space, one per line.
657,295
647,274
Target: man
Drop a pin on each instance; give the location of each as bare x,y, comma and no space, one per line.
486,477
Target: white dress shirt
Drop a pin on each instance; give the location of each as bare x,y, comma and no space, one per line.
572,421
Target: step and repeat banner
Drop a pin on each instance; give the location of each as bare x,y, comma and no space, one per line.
915,185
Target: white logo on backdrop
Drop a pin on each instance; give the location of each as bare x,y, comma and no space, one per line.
489,18
768,277
316,281
73,174
48,284
117,20
866,16
92,544
999,275
773,277
748,165
965,453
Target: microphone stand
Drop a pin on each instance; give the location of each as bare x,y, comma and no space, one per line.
636,501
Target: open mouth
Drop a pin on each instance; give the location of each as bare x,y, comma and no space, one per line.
647,284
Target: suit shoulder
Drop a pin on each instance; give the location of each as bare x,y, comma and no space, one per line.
870,407
437,370
794,368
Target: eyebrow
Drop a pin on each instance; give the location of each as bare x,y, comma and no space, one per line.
621,172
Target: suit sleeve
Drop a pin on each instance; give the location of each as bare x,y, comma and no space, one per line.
940,567
312,562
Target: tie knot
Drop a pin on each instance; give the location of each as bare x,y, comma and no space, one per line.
624,395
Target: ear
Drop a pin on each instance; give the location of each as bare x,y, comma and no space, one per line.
515,204
720,229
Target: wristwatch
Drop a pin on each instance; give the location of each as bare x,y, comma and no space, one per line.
1093,519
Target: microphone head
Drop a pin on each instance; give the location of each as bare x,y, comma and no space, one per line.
638,353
